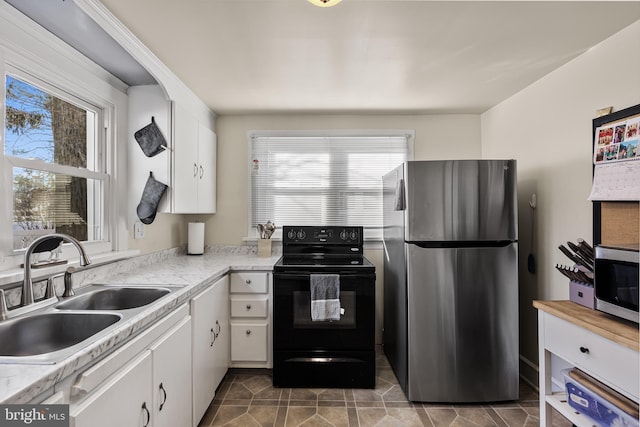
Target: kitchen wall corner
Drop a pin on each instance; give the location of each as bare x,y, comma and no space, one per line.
167,231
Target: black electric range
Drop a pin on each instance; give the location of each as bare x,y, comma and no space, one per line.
323,353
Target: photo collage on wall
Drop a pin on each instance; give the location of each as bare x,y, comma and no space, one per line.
618,141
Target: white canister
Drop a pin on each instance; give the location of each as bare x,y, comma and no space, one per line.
196,238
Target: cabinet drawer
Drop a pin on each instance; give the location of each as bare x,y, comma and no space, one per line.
249,306
249,342
249,283
608,361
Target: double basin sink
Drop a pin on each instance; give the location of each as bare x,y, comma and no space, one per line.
63,328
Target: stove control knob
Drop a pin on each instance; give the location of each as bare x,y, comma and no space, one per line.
291,234
301,235
344,235
353,235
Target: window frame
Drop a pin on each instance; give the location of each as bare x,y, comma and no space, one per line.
96,168
370,235
30,52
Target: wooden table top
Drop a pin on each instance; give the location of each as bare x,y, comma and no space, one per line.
610,327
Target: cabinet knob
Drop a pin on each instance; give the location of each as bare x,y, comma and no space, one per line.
248,281
584,350
248,306
248,332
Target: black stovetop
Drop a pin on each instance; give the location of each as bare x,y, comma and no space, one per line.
322,248
289,263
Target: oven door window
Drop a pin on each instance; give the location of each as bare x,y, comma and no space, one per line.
302,312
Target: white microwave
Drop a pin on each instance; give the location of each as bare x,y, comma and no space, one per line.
616,280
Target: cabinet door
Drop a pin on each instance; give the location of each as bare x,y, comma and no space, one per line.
207,170
172,377
210,318
124,400
186,166
223,337
249,342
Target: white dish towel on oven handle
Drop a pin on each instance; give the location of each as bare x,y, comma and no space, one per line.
325,297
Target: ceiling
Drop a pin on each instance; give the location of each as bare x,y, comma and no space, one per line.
365,56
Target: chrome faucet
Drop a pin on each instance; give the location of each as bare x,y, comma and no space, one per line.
27,285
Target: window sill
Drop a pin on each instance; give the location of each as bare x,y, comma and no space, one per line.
16,275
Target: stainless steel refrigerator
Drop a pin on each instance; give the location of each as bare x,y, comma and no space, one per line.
451,279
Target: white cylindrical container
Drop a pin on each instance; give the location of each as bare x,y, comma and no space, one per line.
196,238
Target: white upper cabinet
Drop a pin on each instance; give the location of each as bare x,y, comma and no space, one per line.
187,167
207,149
194,172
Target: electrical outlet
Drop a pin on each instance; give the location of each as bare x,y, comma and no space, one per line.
138,230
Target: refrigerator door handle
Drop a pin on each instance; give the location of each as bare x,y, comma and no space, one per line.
385,250
399,203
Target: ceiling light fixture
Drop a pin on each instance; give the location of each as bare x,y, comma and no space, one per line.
324,3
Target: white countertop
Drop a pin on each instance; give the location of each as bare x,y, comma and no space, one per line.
21,383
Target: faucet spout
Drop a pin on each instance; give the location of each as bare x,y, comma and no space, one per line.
27,285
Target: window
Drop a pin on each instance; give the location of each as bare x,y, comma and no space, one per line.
326,180
52,151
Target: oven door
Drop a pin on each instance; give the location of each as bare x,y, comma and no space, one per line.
293,328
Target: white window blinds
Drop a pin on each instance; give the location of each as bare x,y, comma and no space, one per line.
322,180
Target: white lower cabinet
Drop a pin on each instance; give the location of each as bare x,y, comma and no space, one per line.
249,342
124,400
599,345
251,304
210,344
146,383
172,378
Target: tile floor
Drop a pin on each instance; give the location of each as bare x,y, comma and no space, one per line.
246,398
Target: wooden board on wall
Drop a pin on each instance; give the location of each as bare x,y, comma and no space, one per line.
620,222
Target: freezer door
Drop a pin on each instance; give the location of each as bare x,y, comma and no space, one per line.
461,200
462,324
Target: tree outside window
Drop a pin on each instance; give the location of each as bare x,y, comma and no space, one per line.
47,141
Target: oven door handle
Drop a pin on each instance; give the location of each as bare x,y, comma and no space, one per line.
323,360
283,275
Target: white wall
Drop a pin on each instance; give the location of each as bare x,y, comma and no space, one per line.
547,128
436,137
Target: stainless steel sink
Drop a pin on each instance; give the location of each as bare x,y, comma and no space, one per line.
60,329
49,332
115,298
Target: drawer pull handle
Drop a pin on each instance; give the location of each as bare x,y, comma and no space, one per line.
218,329
248,332
144,408
248,281
248,306
584,350
164,397
213,337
